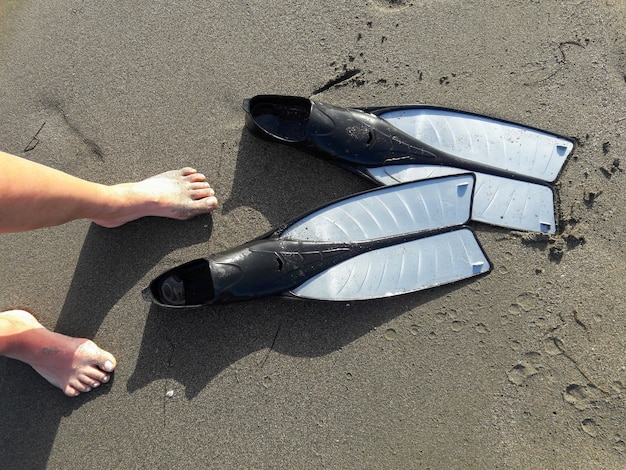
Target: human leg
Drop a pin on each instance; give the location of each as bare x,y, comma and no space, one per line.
34,196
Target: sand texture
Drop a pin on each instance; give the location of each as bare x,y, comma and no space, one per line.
522,368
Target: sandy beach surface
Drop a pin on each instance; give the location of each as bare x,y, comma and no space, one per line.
522,368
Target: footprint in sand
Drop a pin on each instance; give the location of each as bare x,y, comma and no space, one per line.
590,427
525,302
581,396
530,365
457,325
390,334
520,372
553,346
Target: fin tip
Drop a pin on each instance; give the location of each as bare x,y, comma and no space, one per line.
545,227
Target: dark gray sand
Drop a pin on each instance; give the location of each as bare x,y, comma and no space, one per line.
523,368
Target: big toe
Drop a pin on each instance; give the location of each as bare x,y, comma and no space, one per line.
107,362
203,205
92,355
93,373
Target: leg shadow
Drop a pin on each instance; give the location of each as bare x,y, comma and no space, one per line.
111,263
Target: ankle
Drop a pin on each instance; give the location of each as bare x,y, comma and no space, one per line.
117,202
7,337
14,324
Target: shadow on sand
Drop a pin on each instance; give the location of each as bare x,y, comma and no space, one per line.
195,345
222,334
31,418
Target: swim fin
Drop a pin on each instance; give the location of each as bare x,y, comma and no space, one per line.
383,242
514,164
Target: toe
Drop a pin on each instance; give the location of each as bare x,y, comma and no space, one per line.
71,391
196,177
199,185
81,383
93,376
207,203
203,194
200,205
107,362
186,171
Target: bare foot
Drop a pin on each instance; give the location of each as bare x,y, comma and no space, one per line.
177,194
74,365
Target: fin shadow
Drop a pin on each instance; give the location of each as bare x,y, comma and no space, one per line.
194,346
282,183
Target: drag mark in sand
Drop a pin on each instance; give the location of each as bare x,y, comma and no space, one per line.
561,63
345,76
271,348
582,369
91,145
34,141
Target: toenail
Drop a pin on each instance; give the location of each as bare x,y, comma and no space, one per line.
105,378
108,366
95,384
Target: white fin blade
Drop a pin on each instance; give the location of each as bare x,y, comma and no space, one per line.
513,204
499,144
498,201
389,211
400,269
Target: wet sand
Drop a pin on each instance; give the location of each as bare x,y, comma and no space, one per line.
523,368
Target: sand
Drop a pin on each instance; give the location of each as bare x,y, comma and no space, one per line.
523,368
